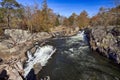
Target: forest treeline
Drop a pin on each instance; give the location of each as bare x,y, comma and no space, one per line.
35,19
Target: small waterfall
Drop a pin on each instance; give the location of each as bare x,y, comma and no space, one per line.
29,55
42,55
80,35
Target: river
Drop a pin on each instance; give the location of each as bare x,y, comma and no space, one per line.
74,60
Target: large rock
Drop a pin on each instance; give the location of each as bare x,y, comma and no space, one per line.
106,41
18,35
13,70
37,68
19,39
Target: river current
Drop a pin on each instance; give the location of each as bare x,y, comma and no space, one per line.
74,60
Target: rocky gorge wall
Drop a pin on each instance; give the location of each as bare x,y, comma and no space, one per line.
106,41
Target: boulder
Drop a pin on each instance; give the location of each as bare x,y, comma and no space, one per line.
37,68
18,35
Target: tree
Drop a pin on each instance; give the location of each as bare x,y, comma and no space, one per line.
2,15
72,19
57,23
83,19
117,4
94,20
9,6
46,23
66,22
104,16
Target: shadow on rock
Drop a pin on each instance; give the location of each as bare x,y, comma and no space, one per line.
31,75
3,75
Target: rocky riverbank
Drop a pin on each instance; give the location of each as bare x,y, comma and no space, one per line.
13,48
106,41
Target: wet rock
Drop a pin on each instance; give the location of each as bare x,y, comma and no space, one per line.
37,68
116,31
106,41
31,75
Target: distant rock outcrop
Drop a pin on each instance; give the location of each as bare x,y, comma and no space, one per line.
64,31
106,40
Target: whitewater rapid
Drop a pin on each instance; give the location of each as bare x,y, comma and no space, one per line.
74,60
42,55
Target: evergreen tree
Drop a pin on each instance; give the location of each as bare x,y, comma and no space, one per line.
57,23
9,6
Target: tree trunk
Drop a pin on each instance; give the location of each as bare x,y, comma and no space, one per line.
8,18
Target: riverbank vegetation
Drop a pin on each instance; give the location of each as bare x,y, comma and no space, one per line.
35,19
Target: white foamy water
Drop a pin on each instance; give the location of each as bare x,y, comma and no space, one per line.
42,55
80,35
74,39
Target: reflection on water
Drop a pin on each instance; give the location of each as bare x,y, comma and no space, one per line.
74,61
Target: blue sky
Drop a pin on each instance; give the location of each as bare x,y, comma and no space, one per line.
67,7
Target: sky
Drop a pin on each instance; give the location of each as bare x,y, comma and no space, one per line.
67,7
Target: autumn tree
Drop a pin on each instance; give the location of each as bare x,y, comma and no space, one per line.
105,17
72,19
83,19
94,20
39,19
27,20
2,17
57,22
46,23
117,13
66,22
